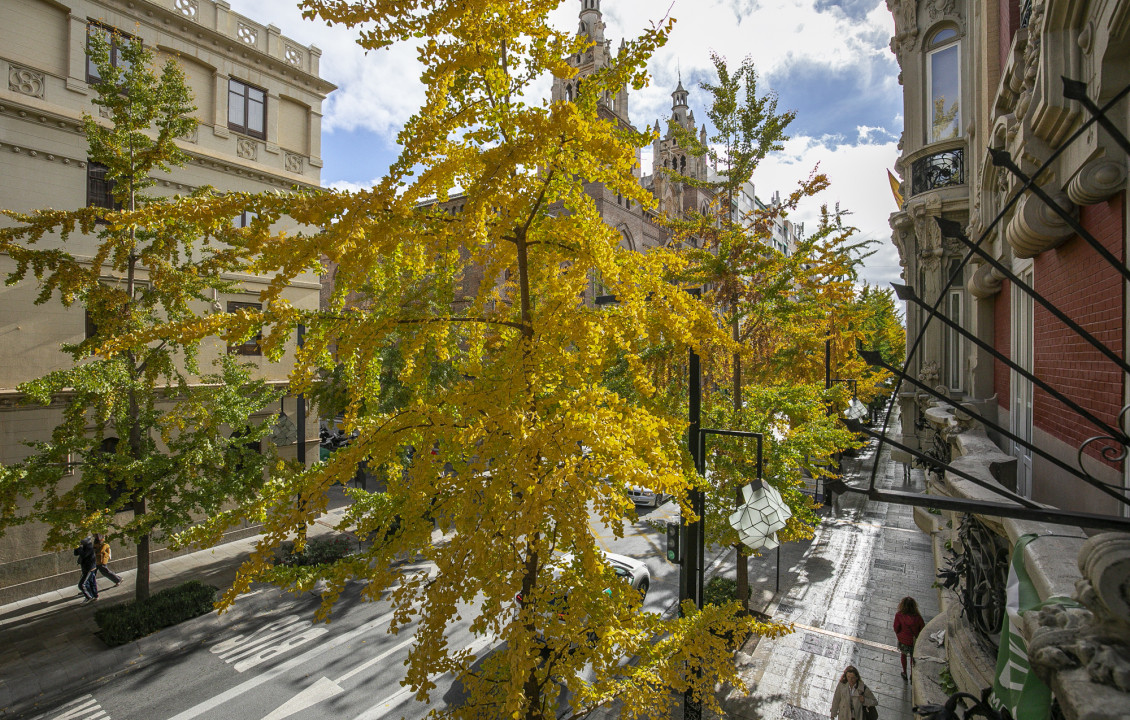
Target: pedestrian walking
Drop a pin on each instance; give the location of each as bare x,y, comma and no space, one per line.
852,699
102,554
87,561
908,624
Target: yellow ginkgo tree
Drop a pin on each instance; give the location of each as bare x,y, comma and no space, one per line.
520,436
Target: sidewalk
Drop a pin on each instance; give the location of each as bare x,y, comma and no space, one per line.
840,595
49,642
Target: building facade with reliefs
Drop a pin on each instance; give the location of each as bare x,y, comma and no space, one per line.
1016,309
259,102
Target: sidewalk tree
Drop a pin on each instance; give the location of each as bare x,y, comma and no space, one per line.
771,303
510,451
149,434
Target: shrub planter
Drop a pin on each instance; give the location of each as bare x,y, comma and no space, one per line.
120,624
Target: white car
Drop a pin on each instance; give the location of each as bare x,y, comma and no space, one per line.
642,496
634,572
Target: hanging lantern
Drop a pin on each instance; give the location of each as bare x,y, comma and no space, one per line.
760,517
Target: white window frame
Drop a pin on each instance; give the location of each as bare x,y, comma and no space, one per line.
954,42
1021,390
955,343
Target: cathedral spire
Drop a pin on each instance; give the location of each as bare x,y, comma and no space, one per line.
592,21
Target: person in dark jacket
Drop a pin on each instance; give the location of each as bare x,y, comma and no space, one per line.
88,562
102,554
908,623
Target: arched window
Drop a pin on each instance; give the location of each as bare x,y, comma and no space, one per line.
943,83
683,164
569,93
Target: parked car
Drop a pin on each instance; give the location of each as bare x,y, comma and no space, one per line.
630,570
642,496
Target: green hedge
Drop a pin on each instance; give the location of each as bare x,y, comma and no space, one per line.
720,590
123,623
318,551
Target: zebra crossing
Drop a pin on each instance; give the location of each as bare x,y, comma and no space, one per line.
83,708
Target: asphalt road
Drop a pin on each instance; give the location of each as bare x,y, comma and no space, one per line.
278,664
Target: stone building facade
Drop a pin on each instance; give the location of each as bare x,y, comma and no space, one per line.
1022,392
259,100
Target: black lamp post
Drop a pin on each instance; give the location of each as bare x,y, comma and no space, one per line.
693,534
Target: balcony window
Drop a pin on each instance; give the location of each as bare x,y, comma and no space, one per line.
943,64
247,109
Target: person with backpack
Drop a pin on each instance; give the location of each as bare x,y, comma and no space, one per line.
87,561
852,700
102,553
908,624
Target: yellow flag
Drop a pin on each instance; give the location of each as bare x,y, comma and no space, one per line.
895,188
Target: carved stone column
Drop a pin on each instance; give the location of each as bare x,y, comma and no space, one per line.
1083,654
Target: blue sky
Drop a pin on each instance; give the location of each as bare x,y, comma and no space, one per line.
828,61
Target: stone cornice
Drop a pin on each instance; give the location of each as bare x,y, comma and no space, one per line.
196,157
167,20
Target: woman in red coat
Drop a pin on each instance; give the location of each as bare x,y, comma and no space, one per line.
908,623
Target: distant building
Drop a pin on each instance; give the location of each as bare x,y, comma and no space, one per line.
259,102
1028,402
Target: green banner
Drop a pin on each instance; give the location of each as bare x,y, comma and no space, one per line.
1015,686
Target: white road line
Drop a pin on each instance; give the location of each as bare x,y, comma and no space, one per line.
83,708
378,710
369,663
275,672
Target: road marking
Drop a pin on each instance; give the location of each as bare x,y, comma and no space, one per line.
850,638
381,708
84,708
252,683
269,641
324,688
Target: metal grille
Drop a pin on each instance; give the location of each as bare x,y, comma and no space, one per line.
942,169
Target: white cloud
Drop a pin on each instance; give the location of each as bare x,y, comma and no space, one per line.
857,173
377,91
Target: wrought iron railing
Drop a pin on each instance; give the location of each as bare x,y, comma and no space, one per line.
941,169
978,573
1025,13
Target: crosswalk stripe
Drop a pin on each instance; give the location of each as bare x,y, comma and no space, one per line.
83,708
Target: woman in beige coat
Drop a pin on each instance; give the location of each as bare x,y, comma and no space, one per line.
851,696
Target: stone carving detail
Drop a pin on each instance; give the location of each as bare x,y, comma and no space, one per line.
247,34
1031,58
247,149
985,283
1036,227
293,55
25,81
105,112
188,8
1097,181
942,8
906,26
930,249
192,135
293,163
1094,640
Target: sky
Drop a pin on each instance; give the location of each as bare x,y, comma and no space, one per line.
828,61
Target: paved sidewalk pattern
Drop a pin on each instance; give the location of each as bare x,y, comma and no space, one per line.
841,598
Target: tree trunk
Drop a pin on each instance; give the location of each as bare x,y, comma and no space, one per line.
141,584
